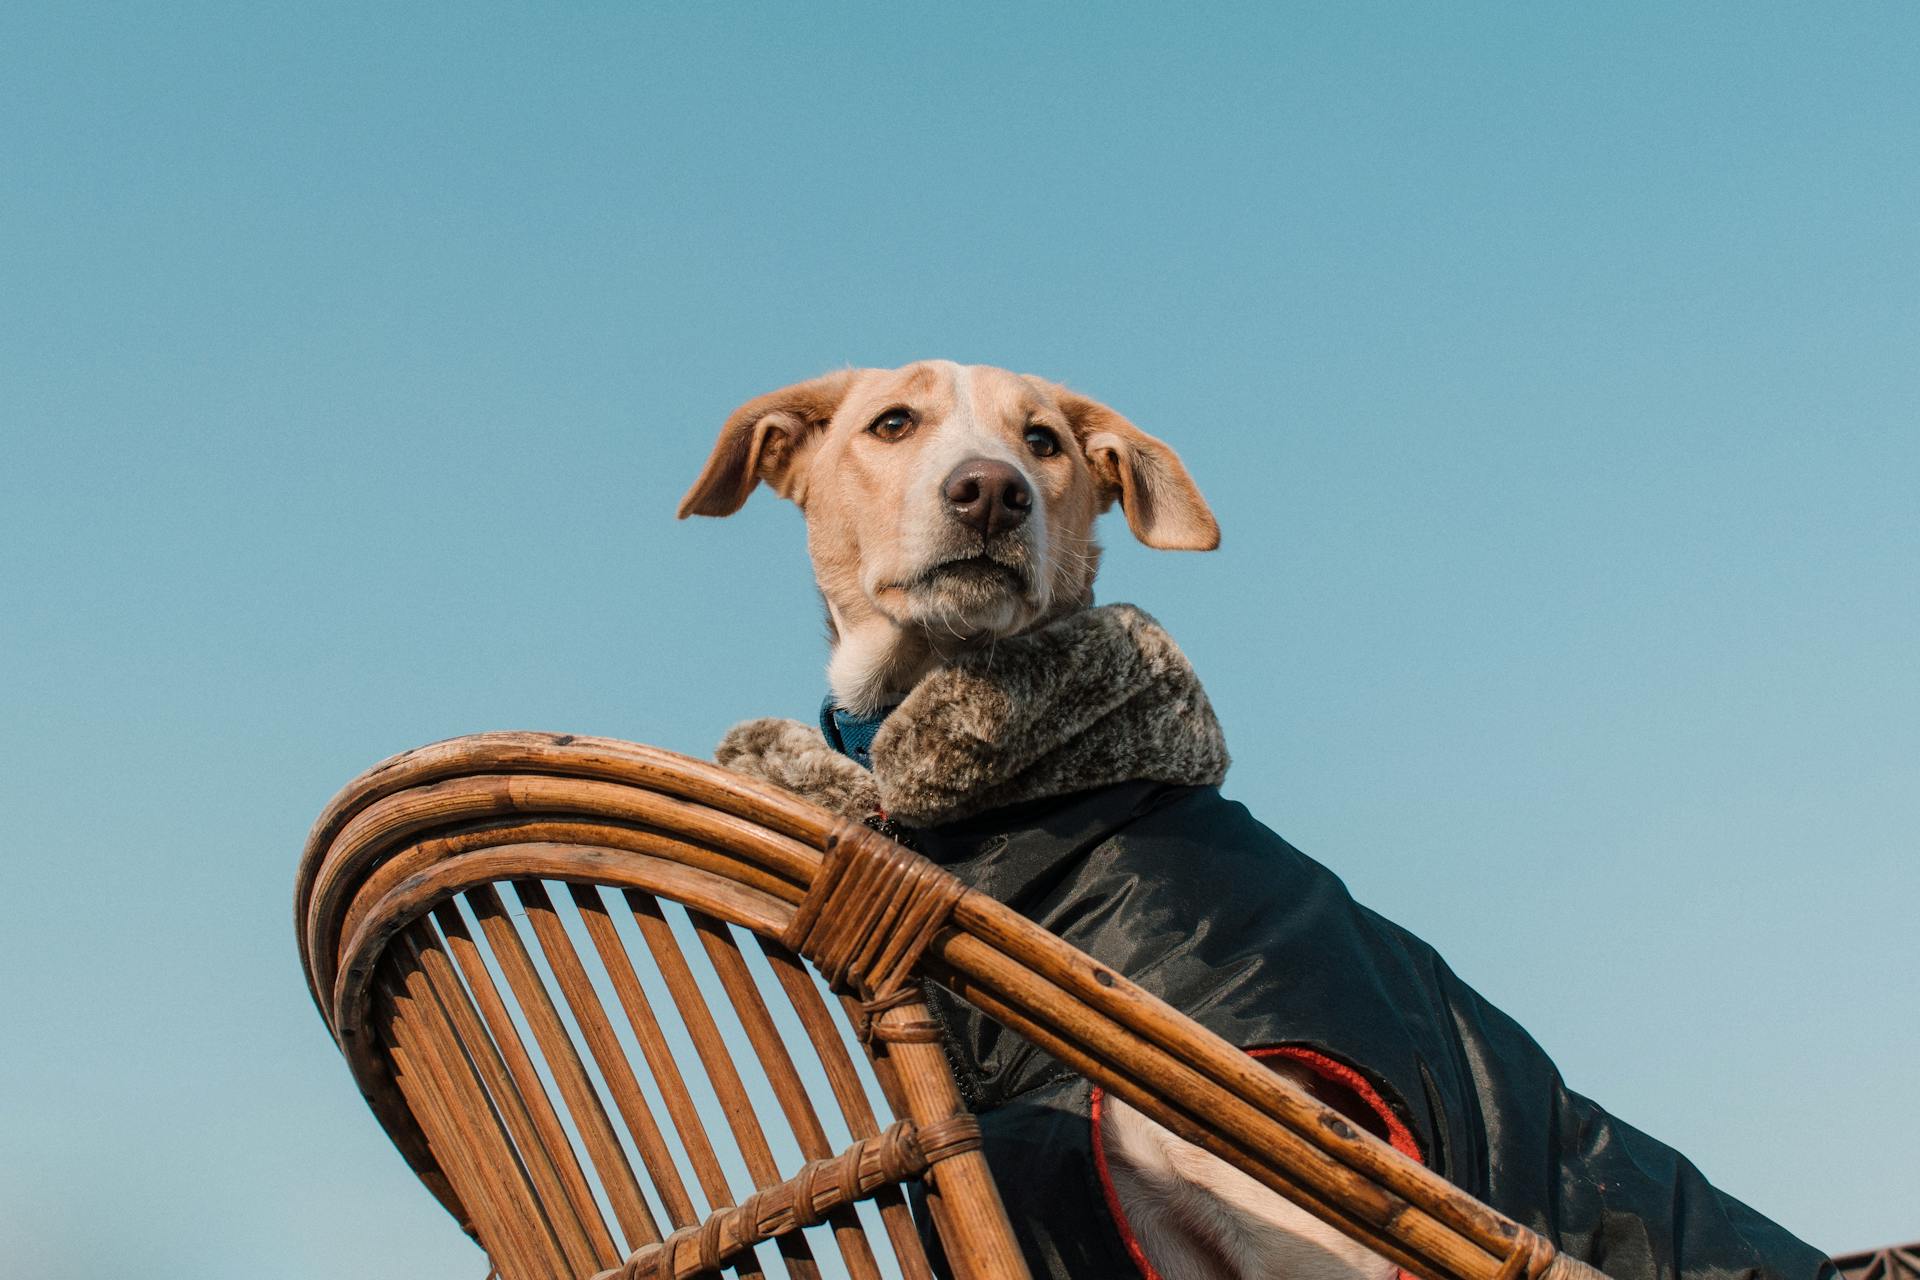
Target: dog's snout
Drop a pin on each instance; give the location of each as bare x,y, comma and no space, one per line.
990,495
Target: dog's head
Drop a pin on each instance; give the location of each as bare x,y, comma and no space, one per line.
946,505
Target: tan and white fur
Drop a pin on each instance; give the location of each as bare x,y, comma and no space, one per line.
948,506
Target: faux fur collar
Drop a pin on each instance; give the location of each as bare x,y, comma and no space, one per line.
1099,697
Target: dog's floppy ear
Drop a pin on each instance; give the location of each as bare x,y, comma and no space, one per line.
761,441
1162,504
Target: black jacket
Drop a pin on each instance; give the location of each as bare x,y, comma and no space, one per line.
1186,894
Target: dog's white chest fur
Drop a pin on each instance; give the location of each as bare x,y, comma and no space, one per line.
1198,1218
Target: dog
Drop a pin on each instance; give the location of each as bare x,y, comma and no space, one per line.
950,515
949,506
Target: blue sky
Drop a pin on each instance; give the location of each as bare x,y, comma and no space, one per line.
1551,370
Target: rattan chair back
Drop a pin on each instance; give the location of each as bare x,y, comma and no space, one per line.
526,1081
514,940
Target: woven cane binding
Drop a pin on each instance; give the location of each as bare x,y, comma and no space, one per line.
871,913
821,1187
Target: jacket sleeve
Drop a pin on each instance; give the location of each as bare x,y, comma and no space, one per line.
1613,1197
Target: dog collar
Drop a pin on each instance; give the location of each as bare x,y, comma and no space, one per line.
851,735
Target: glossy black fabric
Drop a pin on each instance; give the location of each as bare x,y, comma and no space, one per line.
1182,891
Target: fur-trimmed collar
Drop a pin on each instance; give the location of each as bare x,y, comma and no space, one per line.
1099,697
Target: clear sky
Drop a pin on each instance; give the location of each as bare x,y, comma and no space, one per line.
1552,371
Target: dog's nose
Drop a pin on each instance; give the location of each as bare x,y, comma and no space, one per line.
990,495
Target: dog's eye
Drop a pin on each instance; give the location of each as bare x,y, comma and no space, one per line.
891,425
1042,442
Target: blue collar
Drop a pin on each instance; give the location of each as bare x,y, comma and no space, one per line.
849,734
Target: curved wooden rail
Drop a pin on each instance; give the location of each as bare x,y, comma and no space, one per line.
407,836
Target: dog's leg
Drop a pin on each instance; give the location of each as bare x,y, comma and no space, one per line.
1198,1218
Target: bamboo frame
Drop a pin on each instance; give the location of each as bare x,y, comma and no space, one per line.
376,925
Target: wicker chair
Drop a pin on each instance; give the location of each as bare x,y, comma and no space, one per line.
454,1028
